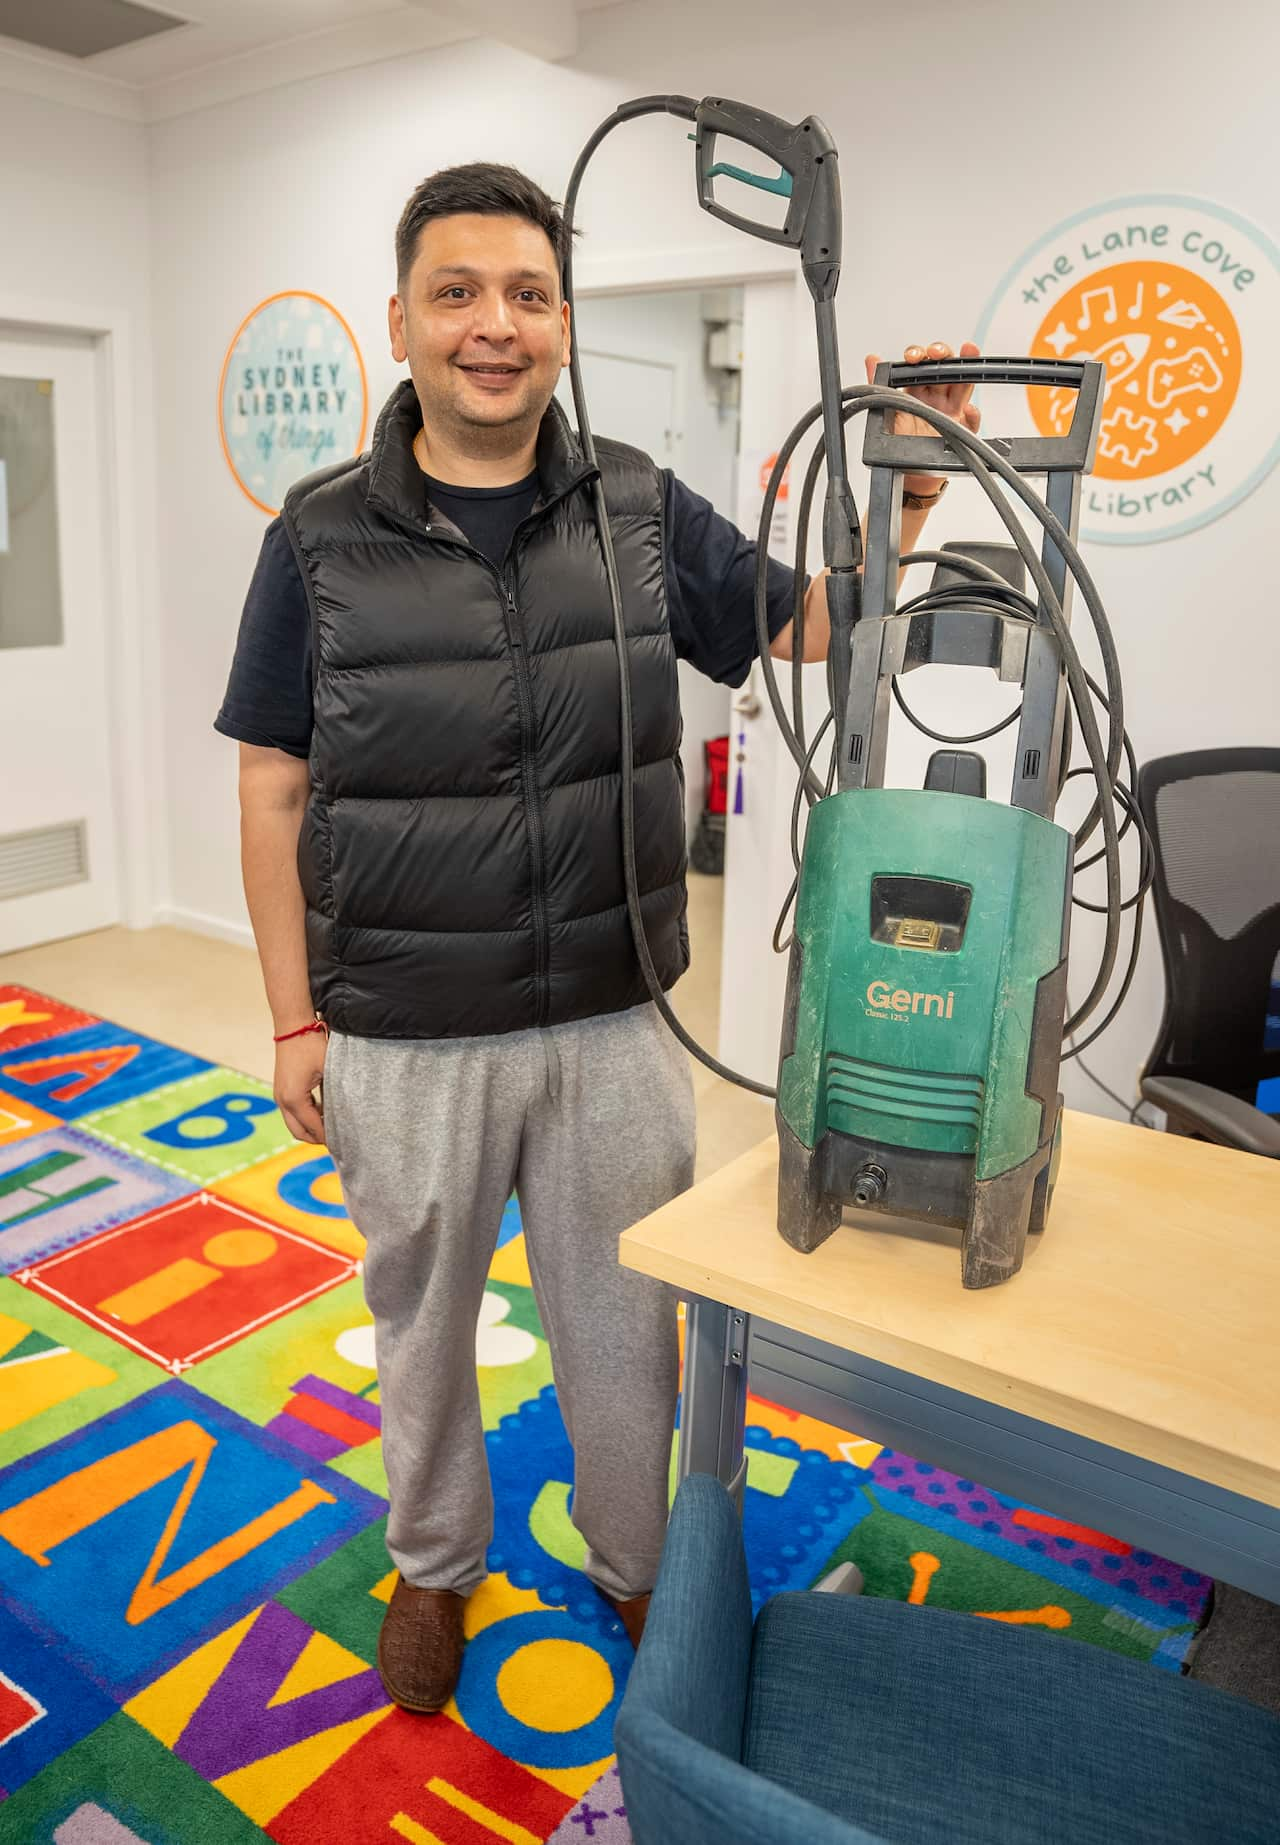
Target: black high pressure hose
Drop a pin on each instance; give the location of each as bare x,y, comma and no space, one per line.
982,462
1007,600
685,108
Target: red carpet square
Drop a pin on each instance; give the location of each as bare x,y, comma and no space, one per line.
27,1017
188,1279
422,1778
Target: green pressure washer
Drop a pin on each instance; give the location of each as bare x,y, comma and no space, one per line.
927,991
927,988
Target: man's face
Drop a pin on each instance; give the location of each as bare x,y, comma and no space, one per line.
481,322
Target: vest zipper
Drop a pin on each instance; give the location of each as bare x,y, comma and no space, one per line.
513,622
532,799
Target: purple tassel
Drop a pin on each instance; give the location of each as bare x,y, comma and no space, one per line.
737,791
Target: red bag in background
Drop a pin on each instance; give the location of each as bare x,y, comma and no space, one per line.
716,756
706,849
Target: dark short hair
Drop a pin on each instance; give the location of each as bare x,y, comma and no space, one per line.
483,188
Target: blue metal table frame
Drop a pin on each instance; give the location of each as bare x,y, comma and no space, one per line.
1192,1522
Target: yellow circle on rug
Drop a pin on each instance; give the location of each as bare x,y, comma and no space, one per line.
555,1684
240,1248
327,1189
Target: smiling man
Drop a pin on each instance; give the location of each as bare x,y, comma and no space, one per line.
425,694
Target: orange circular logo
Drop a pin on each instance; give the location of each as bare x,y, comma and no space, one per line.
1172,352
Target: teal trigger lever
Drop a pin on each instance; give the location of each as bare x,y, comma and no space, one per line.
780,183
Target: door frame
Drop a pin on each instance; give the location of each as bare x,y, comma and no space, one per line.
635,272
133,680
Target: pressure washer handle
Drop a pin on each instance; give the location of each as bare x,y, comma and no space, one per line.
808,179
1070,374
1072,453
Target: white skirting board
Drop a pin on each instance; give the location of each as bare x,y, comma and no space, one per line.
240,934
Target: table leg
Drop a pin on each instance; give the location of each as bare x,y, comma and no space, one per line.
714,1403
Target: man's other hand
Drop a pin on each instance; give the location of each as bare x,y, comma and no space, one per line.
299,1072
951,399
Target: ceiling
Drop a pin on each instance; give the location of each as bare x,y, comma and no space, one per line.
226,48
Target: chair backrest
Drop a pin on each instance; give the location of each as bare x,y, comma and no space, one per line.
1214,820
679,1731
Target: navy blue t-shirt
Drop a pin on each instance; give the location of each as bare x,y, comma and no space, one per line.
710,574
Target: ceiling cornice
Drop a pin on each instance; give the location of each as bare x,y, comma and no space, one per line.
546,29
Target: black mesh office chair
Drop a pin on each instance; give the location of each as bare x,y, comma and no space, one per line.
1214,820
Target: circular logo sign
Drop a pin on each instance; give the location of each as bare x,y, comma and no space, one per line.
1178,300
292,396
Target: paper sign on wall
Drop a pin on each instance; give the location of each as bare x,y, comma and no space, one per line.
755,467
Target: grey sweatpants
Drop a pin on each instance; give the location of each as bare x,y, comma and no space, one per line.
592,1125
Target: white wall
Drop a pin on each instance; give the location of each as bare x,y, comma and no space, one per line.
75,252
958,150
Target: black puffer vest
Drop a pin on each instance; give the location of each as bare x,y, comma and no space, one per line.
461,855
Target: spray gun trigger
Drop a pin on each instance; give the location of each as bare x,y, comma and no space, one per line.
780,183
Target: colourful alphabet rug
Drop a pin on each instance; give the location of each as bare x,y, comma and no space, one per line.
192,1503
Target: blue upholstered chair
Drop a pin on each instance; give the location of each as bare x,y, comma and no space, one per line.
849,1721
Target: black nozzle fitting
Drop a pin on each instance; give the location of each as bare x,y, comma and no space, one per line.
869,1183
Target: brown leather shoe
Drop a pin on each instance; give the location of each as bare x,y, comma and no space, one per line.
420,1646
633,1614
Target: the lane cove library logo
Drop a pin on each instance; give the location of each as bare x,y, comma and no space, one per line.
292,396
1180,300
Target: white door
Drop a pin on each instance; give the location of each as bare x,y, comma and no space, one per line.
631,399
640,399
58,872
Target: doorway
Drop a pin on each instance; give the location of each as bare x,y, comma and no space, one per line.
692,376
662,372
58,830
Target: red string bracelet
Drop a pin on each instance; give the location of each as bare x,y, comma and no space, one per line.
315,1025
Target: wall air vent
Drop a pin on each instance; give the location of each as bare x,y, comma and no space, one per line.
45,859
82,28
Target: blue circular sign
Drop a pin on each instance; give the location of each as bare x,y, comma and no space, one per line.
293,395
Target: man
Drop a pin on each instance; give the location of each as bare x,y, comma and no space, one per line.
425,695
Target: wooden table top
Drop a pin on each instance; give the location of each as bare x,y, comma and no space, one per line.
1146,1317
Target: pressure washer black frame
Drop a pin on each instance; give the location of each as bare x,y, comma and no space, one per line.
882,645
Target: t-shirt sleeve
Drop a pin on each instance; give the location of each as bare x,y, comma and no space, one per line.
710,571
268,696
